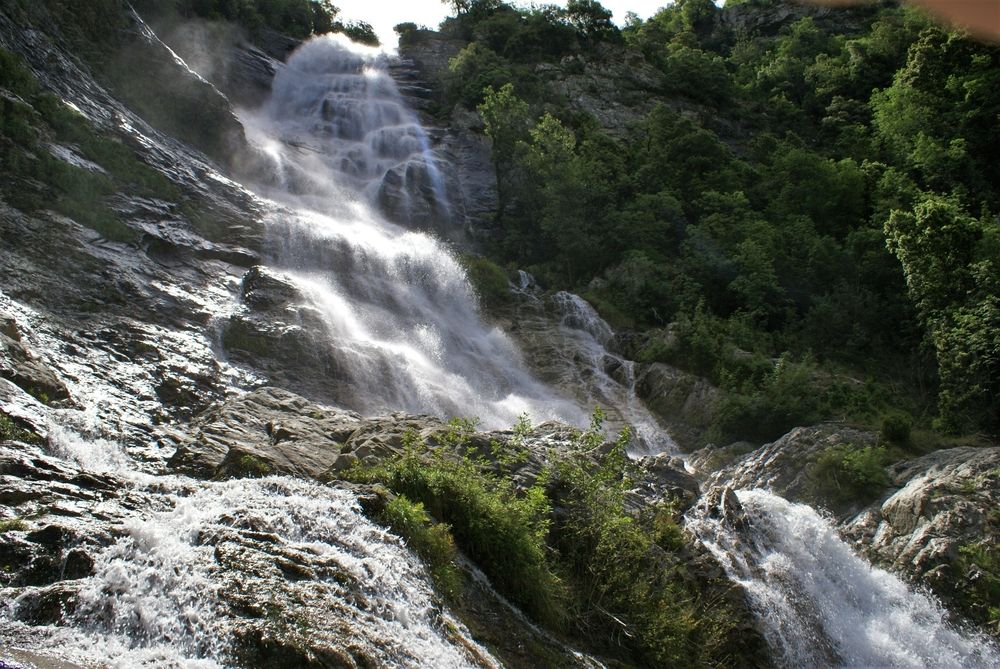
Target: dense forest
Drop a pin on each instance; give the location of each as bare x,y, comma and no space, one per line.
808,217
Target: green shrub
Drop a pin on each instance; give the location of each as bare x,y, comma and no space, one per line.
251,467
896,429
761,411
982,596
846,475
10,431
15,76
566,549
431,541
489,280
500,530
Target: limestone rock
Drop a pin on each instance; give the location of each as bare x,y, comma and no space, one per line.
782,465
945,500
268,431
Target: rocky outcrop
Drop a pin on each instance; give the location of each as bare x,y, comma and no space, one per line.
268,431
782,465
686,403
765,17
20,366
614,85
941,521
464,152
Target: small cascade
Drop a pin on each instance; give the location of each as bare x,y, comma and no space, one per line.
605,379
819,603
337,108
188,559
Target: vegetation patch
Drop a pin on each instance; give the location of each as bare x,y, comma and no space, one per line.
13,525
846,475
896,429
430,540
502,531
37,118
11,431
849,226
250,466
489,280
565,549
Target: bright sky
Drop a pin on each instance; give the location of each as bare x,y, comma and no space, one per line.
384,14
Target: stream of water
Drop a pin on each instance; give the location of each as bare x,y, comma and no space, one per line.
822,605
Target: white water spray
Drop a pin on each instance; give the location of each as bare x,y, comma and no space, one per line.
403,323
823,606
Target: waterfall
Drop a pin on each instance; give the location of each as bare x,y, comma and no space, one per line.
184,559
820,604
600,377
402,321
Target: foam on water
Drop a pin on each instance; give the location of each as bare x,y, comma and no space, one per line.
154,598
821,605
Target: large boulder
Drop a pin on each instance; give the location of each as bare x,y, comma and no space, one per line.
783,466
268,431
687,403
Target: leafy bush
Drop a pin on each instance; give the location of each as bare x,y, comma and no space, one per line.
298,18
489,280
431,541
896,429
250,466
502,531
567,549
10,431
786,397
845,475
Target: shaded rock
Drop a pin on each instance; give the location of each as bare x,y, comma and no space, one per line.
17,364
48,605
688,404
267,431
265,289
665,479
26,412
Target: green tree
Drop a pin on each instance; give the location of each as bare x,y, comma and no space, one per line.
506,123
590,19
950,261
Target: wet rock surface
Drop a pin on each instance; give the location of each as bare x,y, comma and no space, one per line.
268,431
946,504
931,525
687,403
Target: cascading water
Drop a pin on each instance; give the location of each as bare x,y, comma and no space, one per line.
156,595
820,604
403,322
573,357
